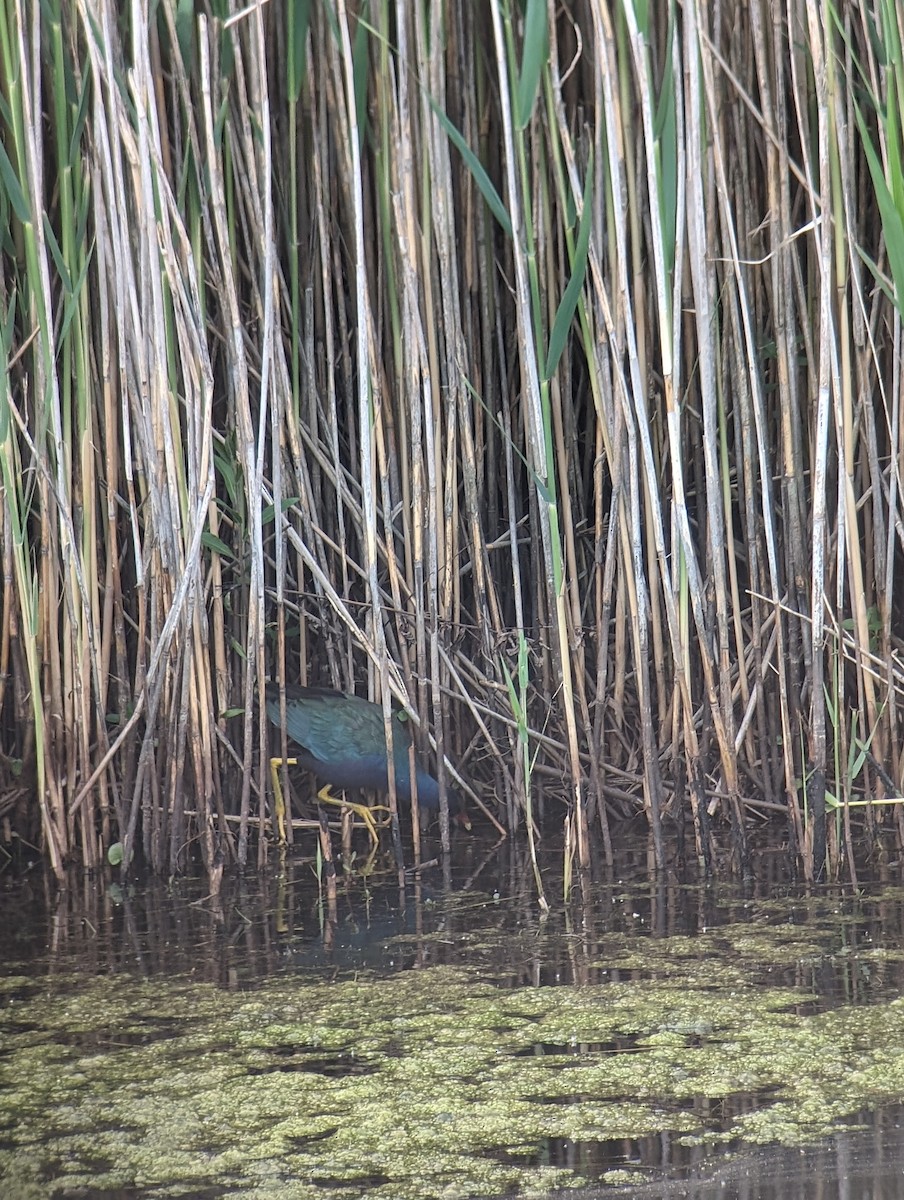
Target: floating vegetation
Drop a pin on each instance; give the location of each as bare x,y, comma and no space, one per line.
432,1083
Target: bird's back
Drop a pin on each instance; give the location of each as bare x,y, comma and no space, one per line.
343,737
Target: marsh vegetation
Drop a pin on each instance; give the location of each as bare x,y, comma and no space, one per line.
537,366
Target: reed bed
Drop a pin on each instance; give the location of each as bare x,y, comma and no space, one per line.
536,366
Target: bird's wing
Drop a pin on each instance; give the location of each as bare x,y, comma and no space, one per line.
333,727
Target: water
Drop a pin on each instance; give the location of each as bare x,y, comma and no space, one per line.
656,1037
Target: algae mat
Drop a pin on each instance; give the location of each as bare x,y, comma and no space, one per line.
434,1083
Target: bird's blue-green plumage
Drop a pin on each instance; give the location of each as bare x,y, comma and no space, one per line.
342,740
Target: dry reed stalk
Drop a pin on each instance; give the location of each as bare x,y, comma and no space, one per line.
453,347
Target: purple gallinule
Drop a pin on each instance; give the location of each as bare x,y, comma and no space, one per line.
342,741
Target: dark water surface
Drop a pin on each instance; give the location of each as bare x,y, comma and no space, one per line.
650,1038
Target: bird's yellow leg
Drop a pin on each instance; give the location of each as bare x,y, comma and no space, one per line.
367,867
325,796
279,803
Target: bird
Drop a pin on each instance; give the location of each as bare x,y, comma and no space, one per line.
342,740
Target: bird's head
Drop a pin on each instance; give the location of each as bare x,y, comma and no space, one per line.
428,798
457,810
